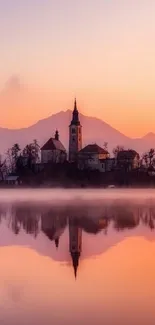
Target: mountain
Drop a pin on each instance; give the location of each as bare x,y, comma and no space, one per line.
149,136
94,130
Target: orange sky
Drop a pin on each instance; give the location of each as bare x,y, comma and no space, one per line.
102,52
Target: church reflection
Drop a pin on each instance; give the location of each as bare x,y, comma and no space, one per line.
52,222
53,226
75,242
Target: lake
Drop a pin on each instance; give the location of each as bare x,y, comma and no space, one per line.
77,257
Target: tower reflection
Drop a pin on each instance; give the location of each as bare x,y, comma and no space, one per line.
75,242
74,222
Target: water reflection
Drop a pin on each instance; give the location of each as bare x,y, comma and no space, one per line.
72,222
108,247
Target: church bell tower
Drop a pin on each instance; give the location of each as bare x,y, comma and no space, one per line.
75,243
75,135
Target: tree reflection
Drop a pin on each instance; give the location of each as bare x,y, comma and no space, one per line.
52,221
125,218
148,218
95,225
24,217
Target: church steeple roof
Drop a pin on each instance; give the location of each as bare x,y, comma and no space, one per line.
75,105
75,262
75,116
57,242
57,135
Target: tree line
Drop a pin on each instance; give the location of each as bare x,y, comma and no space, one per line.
16,159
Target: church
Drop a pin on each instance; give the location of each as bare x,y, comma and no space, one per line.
75,135
53,151
92,156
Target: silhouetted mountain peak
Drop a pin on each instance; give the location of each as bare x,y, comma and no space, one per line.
94,131
149,135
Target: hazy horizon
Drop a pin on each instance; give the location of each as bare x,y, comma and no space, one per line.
84,114
101,52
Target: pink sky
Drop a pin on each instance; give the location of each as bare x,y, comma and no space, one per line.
100,51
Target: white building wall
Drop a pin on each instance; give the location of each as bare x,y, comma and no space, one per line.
75,141
52,156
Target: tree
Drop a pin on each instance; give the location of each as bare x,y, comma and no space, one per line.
20,164
149,158
105,146
31,152
145,159
151,154
12,157
3,168
36,150
15,151
117,149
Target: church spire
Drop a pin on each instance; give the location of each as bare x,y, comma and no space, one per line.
75,243
56,135
75,117
57,242
75,105
75,135
75,261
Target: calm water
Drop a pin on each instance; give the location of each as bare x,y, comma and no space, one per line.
77,257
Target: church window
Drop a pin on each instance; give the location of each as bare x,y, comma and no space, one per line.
73,139
73,131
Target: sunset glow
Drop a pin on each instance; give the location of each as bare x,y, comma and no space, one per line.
101,51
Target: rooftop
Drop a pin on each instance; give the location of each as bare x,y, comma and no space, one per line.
53,144
11,178
127,154
93,148
107,160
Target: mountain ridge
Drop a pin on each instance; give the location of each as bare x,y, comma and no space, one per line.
94,130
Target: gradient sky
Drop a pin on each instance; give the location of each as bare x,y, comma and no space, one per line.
102,51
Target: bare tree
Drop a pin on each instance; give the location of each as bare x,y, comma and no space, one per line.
31,152
105,146
3,168
9,160
36,150
117,149
149,158
15,150
12,157
145,159
151,155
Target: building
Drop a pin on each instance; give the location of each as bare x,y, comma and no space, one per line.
75,242
151,171
92,157
53,151
53,226
13,180
107,165
75,135
128,159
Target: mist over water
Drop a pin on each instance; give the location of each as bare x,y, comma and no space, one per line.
70,196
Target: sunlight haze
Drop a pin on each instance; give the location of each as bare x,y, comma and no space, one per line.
101,51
